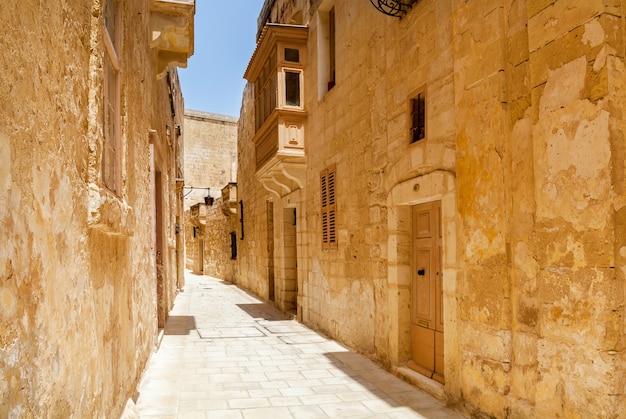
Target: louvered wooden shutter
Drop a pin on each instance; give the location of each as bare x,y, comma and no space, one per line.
329,209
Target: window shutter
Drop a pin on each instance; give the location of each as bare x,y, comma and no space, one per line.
329,209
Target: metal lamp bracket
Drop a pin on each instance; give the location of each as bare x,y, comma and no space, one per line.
396,8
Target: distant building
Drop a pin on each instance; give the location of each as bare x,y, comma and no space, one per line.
210,165
90,198
444,193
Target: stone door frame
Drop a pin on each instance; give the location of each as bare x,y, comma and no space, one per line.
437,185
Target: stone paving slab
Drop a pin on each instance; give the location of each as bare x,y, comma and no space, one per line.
227,354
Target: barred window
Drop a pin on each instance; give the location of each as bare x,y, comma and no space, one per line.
418,117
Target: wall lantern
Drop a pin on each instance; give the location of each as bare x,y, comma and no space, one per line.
208,200
396,8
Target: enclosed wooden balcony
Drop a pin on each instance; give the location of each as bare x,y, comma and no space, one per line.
277,70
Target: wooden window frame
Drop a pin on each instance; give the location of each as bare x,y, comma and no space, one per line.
326,48
284,90
328,180
111,153
291,55
265,88
332,80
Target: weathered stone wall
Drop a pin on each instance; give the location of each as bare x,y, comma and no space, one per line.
167,201
218,257
539,201
568,304
78,306
525,149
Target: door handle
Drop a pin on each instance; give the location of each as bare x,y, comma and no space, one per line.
421,272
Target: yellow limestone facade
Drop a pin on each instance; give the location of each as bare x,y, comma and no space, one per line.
90,166
523,151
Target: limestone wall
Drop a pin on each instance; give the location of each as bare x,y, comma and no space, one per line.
524,147
252,260
166,192
78,290
572,307
210,154
219,259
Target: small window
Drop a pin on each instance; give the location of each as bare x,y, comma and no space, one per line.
292,55
329,209
292,88
418,117
241,218
331,35
326,49
233,245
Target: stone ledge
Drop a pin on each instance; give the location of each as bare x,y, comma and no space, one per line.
416,379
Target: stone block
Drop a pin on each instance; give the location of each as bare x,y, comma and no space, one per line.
565,188
440,125
559,19
517,86
486,294
484,63
450,240
523,386
554,55
573,304
536,6
493,344
570,377
486,384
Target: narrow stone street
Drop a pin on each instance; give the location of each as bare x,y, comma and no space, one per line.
226,354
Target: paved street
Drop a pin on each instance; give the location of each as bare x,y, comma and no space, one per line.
226,354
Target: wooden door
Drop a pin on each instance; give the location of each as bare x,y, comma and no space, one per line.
427,292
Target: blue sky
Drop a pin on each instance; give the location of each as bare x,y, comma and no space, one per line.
225,37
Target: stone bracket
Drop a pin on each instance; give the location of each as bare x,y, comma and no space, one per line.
172,25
